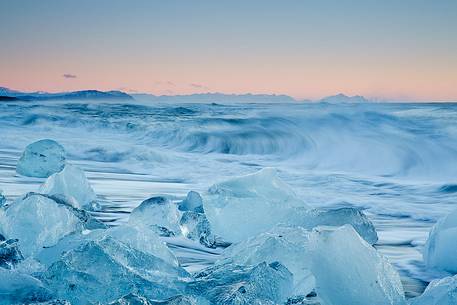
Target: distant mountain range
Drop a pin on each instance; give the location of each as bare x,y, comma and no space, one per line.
7,94
75,95
244,98
216,98
341,98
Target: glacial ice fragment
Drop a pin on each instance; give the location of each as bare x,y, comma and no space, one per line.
41,159
159,213
440,250
2,199
18,288
143,239
71,185
439,292
106,269
37,221
310,218
52,302
289,246
232,284
193,202
133,299
246,206
10,254
349,271
195,226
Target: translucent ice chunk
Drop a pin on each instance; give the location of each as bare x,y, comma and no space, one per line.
37,221
195,226
10,254
139,238
439,292
53,302
440,251
71,185
133,299
289,246
229,284
349,271
310,218
193,202
17,288
159,213
2,199
106,269
41,159
143,239
246,206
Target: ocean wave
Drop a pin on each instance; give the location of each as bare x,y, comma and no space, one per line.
387,140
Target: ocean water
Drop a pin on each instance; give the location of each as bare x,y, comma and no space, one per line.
398,162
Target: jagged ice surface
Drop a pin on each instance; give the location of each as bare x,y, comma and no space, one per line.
246,206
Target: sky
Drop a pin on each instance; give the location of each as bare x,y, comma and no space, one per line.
390,49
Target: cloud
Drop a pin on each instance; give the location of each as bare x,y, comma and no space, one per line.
198,86
166,83
66,75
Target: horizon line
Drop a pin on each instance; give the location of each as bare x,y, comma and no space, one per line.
134,92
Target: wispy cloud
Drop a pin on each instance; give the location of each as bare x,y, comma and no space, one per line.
198,86
66,75
166,83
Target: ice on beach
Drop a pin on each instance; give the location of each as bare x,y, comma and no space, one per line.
143,239
72,185
232,284
246,206
37,221
105,270
193,202
158,213
2,199
439,292
52,302
440,251
41,159
309,219
10,255
195,226
18,288
289,246
349,271
133,299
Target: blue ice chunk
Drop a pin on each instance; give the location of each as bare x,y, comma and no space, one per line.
52,302
230,284
195,226
249,205
439,292
310,218
139,238
290,246
71,185
18,288
158,213
2,199
10,255
349,271
41,159
193,202
440,250
134,299
37,221
106,269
